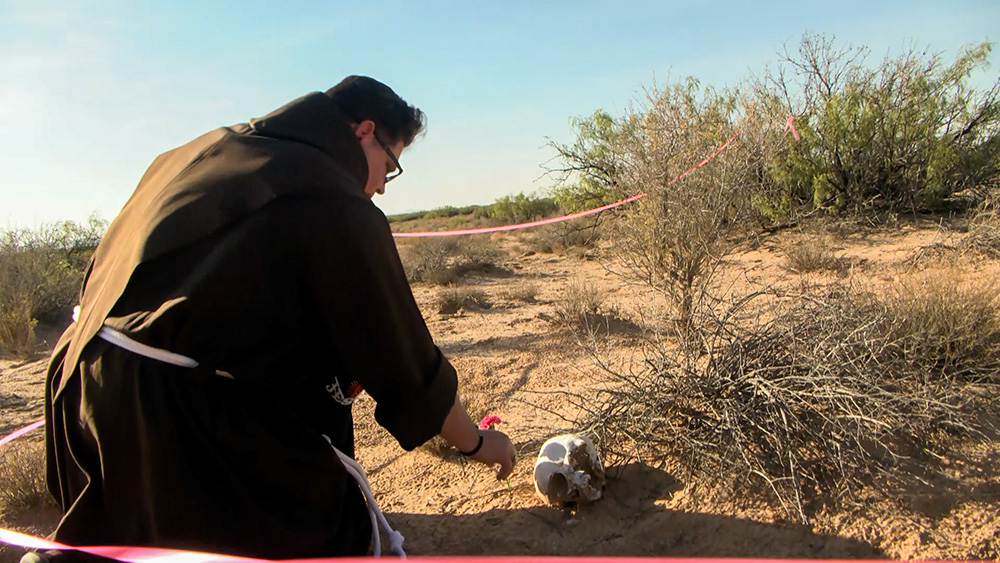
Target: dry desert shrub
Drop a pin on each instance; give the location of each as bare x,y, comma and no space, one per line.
521,292
444,260
22,476
40,275
580,305
17,326
452,298
813,255
835,392
984,234
944,328
981,238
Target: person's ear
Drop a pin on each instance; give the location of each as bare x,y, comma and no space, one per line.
364,129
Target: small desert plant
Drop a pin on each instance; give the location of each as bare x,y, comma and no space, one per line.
674,238
17,327
521,207
22,476
813,255
942,328
453,298
523,292
580,305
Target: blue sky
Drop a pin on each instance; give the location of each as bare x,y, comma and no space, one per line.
91,92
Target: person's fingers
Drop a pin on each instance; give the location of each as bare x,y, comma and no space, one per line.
497,450
506,466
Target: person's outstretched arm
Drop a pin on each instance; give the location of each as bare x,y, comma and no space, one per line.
461,432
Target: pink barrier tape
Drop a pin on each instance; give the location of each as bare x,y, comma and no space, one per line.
122,553
161,555
790,125
18,433
569,217
30,542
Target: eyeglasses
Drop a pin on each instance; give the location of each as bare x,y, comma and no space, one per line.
399,169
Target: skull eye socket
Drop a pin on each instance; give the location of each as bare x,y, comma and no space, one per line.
559,487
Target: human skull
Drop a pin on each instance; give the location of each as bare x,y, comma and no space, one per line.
569,472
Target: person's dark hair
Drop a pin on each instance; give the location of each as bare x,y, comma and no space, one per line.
361,98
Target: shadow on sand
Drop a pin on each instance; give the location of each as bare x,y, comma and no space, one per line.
625,522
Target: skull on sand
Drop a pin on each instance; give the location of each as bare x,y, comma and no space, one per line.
569,472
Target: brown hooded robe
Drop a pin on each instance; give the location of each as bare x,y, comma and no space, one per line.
254,250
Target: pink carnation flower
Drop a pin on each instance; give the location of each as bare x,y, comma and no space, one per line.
488,421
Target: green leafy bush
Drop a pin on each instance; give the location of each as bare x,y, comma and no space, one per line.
521,208
904,134
450,211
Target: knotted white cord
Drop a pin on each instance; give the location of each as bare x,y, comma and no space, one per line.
353,469
395,538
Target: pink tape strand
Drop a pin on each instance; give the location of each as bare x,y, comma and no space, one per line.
790,125
17,434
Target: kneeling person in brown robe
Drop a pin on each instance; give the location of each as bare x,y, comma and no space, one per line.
256,251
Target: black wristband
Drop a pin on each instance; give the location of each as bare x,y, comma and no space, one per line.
475,450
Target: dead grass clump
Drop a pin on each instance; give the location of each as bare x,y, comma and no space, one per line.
444,260
580,305
834,393
944,328
983,236
22,476
813,255
521,292
17,327
451,299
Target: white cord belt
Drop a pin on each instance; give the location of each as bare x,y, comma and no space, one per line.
395,538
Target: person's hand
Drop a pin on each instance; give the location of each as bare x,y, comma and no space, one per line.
497,450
